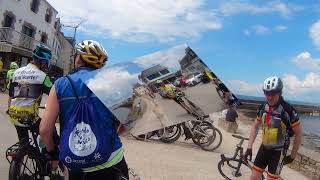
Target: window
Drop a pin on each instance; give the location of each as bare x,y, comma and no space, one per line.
191,68
191,53
153,76
27,31
48,16
35,6
165,71
44,38
8,21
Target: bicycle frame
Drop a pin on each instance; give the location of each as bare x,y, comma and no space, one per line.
31,148
236,153
192,126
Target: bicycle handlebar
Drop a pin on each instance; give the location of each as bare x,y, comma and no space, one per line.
240,137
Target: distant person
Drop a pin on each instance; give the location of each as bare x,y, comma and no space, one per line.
1,64
223,88
13,68
279,121
231,114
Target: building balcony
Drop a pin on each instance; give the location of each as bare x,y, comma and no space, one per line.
17,42
15,38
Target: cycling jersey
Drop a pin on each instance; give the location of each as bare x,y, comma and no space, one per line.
28,85
67,100
275,123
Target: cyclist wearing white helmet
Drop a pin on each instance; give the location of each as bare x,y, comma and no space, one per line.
279,121
99,141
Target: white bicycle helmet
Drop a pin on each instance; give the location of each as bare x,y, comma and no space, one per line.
272,84
92,53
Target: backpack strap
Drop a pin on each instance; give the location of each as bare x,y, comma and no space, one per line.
72,86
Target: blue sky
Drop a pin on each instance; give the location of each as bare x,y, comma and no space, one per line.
242,41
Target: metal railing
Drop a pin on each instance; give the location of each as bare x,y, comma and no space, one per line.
18,39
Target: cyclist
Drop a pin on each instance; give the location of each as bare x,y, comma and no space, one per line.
1,64
63,101
26,88
279,122
174,93
2,74
13,67
228,97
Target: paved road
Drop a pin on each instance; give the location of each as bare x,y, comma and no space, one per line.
7,137
152,160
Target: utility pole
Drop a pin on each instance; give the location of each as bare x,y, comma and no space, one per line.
75,27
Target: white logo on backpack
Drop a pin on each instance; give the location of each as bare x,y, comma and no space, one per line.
82,141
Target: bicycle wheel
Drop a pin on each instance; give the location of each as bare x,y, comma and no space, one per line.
143,136
25,168
204,134
232,169
216,141
173,133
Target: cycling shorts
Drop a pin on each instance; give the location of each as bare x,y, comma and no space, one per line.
268,157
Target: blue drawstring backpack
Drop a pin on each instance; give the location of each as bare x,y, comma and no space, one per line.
84,140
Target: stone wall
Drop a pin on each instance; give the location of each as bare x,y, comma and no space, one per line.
307,166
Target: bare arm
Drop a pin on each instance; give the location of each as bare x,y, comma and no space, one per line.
297,141
253,133
48,121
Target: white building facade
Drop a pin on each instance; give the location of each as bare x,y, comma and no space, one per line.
23,25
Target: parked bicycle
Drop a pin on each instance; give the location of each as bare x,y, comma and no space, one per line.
199,130
28,160
202,133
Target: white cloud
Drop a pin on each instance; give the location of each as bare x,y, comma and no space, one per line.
294,88
141,20
235,7
306,61
243,87
280,28
314,33
261,30
116,87
169,58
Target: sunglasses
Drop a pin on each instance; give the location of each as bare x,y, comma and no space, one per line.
271,93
